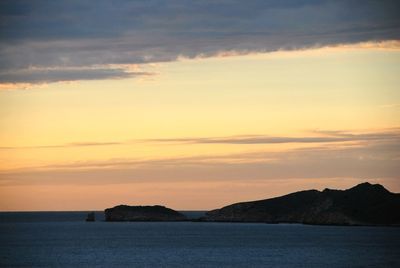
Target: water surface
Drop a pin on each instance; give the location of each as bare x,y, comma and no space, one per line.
63,239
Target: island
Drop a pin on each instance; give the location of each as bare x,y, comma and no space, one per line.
142,213
364,204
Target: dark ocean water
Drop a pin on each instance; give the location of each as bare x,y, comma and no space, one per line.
63,239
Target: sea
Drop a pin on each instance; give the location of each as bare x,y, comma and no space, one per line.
64,239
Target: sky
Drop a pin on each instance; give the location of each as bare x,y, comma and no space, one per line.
195,105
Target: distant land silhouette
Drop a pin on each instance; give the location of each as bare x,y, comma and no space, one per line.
142,213
364,204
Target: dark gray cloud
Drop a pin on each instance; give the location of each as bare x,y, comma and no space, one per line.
55,75
48,34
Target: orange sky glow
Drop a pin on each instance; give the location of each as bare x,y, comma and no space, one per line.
203,132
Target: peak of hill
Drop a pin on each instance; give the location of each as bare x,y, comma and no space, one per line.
363,204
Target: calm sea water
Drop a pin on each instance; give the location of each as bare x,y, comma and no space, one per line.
65,240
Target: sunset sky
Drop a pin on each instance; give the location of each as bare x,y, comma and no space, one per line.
195,105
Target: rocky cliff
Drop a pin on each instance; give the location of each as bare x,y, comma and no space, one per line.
364,204
142,213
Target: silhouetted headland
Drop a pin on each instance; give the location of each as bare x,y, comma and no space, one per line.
142,213
364,204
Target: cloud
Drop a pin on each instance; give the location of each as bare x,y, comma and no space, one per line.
370,155
66,145
390,106
372,160
329,137
335,136
67,74
81,34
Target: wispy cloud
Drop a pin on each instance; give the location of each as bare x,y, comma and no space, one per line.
390,106
372,160
328,137
66,145
65,34
318,136
45,75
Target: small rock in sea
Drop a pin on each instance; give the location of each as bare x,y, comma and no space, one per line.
90,216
